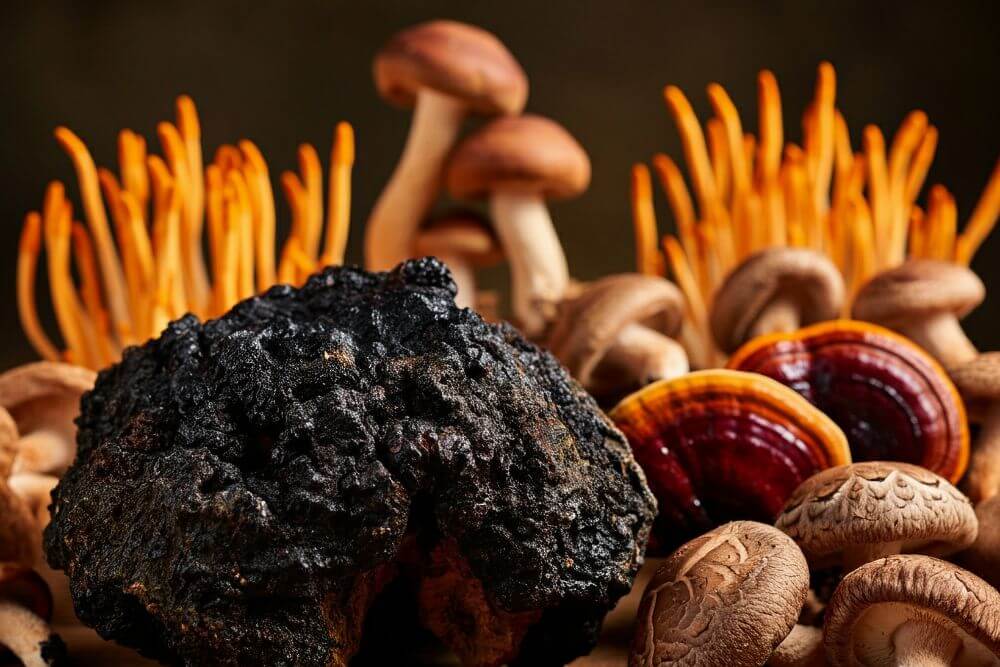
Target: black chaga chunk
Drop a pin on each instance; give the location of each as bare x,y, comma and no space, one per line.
244,488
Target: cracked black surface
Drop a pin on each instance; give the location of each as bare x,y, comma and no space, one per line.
236,479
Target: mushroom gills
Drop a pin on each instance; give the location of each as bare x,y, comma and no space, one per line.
921,638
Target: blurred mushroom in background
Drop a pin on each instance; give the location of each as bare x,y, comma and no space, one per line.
517,163
983,557
979,383
25,612
445,70
464,240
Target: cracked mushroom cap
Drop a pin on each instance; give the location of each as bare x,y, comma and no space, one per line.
917,290
527,154
807,278
857,512
464,233
44,399
590,323
728,597
891,610
455,59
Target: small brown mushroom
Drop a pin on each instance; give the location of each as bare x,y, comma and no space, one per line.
44,399
852,514
25,611
924,300
913,611
616,335
728,597
777,290
518,163
803,647
464,241
983,557
978,381
445,70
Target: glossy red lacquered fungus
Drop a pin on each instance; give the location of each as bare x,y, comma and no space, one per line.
892,400
720,445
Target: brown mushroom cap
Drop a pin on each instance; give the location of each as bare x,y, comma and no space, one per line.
45,395
870,605
590,322
807,278
917,290
8,442
978,381
866,507
525,154
461,232
983,557
26,587
455,59
728,597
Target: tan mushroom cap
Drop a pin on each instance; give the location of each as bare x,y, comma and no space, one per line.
456,59
465,233
978,381
728,597
44,396
590,322
805,277
920,601
857,512
917,290
983,557
523,154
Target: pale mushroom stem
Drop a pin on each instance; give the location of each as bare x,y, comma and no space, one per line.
641,356
539,273
779,316
43,450
942,336
860,554
23,633
410,192
697,346
465,278
921,643
984,468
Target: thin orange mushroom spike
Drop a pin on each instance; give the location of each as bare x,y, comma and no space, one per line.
904,144
878,185
90,292
921,164
29,250
338,212
311,177
262,202
679,199
718,155
982,221
132,163
725,110
244,224
695,151
648,258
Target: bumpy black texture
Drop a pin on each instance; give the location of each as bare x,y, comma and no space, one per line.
242,485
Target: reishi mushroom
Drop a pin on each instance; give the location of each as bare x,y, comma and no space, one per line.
719,444
983,557
44,398
444,70
728,597
518,162
914,611
979,383
924,300
893,401
464,241
616,335
777,290
853,514
25,611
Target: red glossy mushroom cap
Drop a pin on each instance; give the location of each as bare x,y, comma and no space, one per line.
892,400
455,59
524,154
720,445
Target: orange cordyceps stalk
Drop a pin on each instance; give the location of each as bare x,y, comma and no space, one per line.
119,282
753,192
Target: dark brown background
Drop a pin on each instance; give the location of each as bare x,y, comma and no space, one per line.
285,72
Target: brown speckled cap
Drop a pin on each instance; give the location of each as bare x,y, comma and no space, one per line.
916,290
455,59
728,597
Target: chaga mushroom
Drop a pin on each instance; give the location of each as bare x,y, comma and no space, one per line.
244,488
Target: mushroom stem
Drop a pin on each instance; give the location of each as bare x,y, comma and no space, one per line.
641,356
859,554
779,316
539,273
923,643
984,470
23,633
697,346
414,184
465,279
43,450
942,336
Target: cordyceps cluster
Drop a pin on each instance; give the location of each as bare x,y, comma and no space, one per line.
139,262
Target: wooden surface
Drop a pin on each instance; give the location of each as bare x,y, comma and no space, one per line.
89,650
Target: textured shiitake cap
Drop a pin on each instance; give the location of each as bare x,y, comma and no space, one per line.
455,59
956,611
916,290
805,277
461,232
728,597
527,154
850,512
